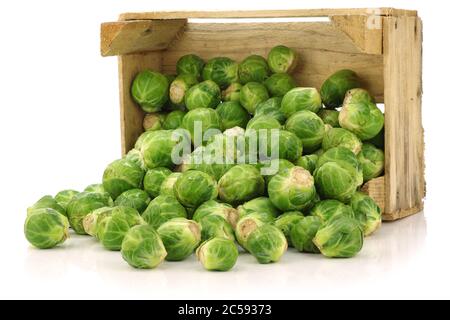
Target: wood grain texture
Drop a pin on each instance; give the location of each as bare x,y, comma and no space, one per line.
375,188
265,13
131,115
322,47
404,183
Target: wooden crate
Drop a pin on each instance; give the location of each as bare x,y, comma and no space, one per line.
384,46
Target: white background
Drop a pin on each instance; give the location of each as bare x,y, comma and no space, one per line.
59,128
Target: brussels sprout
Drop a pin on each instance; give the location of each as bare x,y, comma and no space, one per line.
167,186
308,127
249,223
122,175
289,146
340,237
241,183
253,69
173,120
82,204
232,92
218,254
135,156
150,90
263,122
378,140
207,118
293,189
366,212
206,94
194,187
214,226
45,228
232,115
153,121
333,90
142,247
190,64
162,209
282,59
92,221
303,233
179,88
262,206
279,84
112,229
330,117
267,244
251,95
338,137
372,161
214,208
180,237
271,107
346,159
286,222
281,164
222,71
327,209
95,188
361,115
63,198
299,99
308,162
153,180
134,198
47,202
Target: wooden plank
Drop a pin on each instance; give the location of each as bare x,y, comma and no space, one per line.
405,183
264,13
131,115
322,47
118,38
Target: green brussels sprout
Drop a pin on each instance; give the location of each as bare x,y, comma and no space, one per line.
267,244
82,204
92,221
309,128
303,233
340,237
372,161
378,140
330,117
214,226
252,94
262,206
47,202
167,186
241,183
218,254
333,90
194,187
153,180
180,237
135,156
63,198
222,71
232,115
122,175
327,209
206,94
279,84
153,121
214,208
162,209
133,198
346,159
112,229
179,88
173,120
263,122
280,164
293,189
249,223
289,146
282,59
253,69
286,222
366,212
142,247
338,137
232,92
45,228
190,64
299,99
207,118
150,90
308,162
271,107
360,115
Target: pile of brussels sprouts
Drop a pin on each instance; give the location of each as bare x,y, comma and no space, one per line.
153,208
